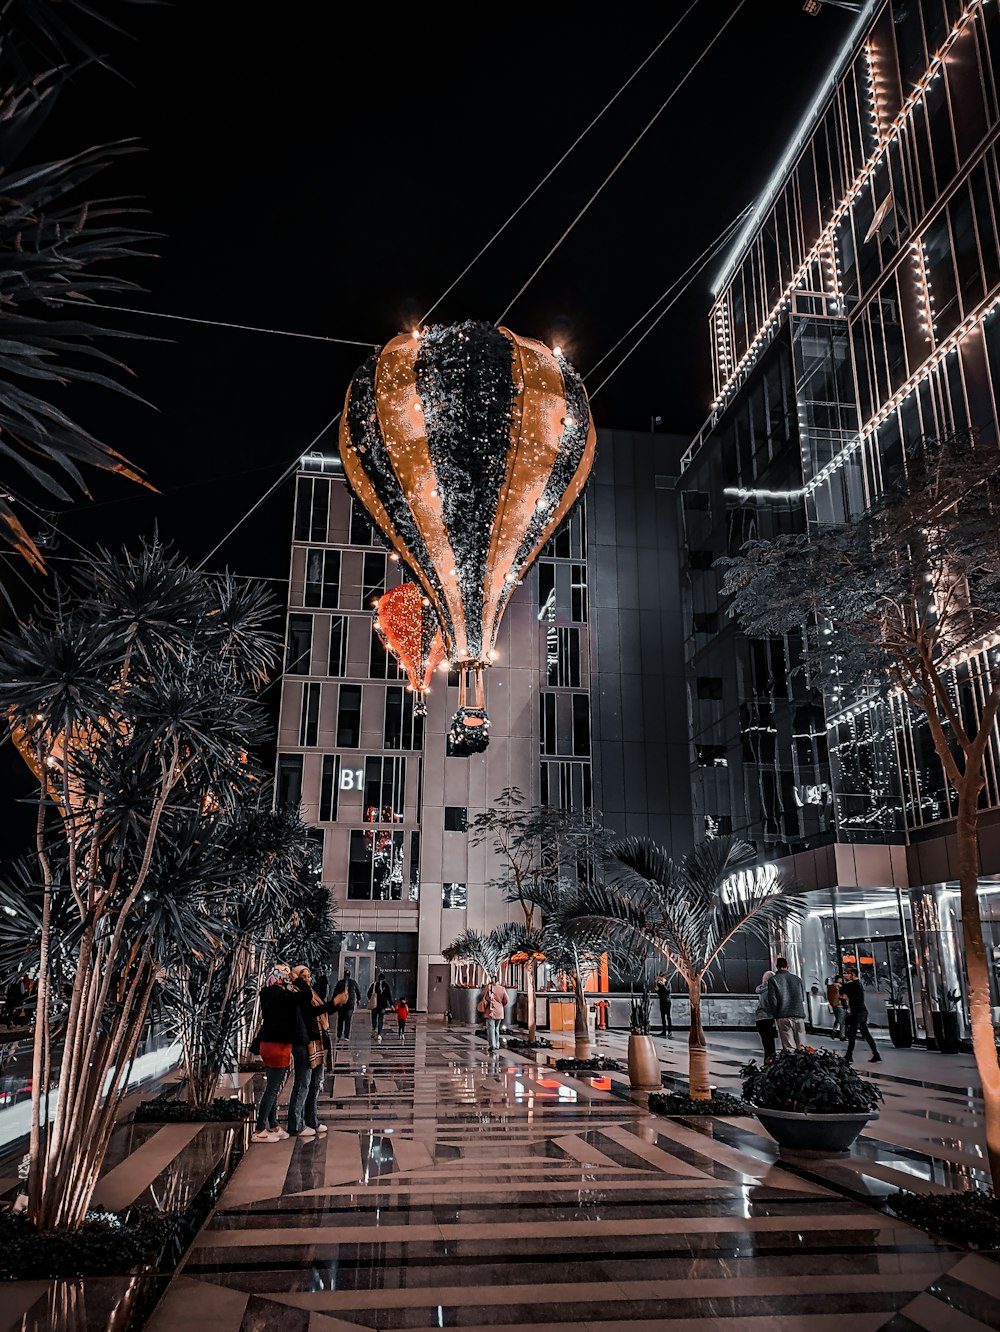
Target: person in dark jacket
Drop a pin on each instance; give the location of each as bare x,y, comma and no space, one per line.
345,1011
786,998
764,1017
279,1007
381,994
307,1054
857,1017
663,998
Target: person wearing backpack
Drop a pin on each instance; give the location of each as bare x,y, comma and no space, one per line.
493,999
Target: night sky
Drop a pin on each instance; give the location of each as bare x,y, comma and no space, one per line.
331,172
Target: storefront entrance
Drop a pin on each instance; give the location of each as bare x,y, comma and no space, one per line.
361,966
882,969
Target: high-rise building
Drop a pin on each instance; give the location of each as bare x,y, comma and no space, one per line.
585,700
854,314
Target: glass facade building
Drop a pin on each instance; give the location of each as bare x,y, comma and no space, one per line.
856,312
584,699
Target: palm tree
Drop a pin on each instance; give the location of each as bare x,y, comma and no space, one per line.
688,911
57,251
132,696
492,954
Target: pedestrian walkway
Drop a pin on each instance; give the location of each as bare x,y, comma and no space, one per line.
455,1189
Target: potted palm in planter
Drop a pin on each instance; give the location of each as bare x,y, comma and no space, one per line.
947,1021
643,1061
810,1100
900,1020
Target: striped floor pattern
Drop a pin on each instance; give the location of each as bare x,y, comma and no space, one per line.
454,1190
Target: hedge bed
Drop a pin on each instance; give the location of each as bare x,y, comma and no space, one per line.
223,1110
599,1064
971,1219
720,1104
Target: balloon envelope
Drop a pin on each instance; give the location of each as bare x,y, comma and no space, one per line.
468,446
408,626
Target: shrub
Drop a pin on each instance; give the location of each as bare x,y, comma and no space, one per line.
223,1110
106,1242
810,1081
972,1218
679,1103
599,1064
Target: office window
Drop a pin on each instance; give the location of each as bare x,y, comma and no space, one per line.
289,793
562,591
362,531
385,787
372,578
375,866
566,785
564,724
349,716
563,657
712,756
454,896
548,732
414,887
402,729
329,788
456,818
338,645
706,622
578,592
581,725
322,583
453,679
710,686
309,715
546,590
382,665
312,508
298,644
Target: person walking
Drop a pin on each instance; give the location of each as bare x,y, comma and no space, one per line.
402,1013
836,1001
857,1018
279,1006
764,1018
663,998
379,1001
786,997
494,999
307,1057
345,1009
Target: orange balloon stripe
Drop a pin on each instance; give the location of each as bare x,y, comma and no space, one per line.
405,437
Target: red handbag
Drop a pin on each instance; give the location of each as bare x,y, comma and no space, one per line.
275,1054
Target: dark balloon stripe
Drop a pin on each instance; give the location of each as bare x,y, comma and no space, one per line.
464,380
372,456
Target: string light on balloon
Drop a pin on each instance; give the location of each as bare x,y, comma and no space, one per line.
408,629
468,446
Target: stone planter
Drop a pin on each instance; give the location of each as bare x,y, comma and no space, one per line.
643,1064
462,1003
804,1132
900,1026
948,1031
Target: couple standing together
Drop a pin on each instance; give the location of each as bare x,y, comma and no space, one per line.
781,1012
294,1033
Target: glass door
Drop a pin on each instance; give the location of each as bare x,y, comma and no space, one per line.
882,969
361,965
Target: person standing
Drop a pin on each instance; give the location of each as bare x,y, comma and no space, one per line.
345,1010
279,1006
764,1018
307,1057
857,1018
836,1001
402,1013
787,1001
494,998
379,1001
663,998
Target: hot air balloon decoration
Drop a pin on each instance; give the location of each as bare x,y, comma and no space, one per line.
467,446
408,628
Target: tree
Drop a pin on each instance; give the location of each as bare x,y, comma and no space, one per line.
906,600
533,844
132,697
688,911
55,251
209,994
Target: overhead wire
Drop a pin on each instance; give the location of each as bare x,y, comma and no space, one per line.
220,323
622,160
708,257
553,169
708,252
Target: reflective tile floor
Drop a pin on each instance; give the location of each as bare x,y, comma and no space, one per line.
463,1191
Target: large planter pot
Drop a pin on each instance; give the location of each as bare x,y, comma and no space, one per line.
900,1027
643,1062
463,1002
814,1133
948,1031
